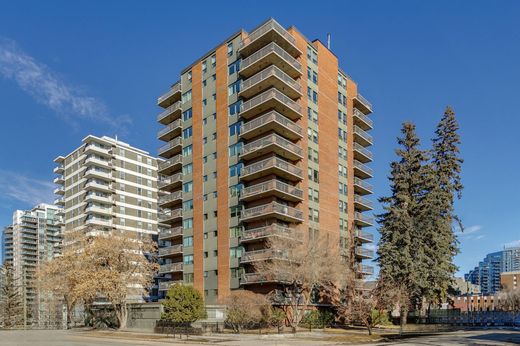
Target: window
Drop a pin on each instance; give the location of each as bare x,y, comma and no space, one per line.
234,108
314,195
234,149
187,133
187,187
187,223
204,66
188,277
235,232
187,241
312,75
187,114
213,136
312,55
234,129
342,99
312,135
313,175
342,135
342,117
342,81
187,169
235,169
188,259
230,49
213,60
187,151
234,211
312,115
234,88
235,252
189,76
187,205
234,190
315,97
234,67
186,97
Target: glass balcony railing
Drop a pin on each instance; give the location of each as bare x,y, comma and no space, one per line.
265,51
273,208
270,140
272,185
272,116
272,162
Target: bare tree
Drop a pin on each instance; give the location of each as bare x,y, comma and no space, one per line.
245,309
304,268
509,300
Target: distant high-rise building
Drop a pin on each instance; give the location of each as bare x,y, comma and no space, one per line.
266,136
487,273
33,238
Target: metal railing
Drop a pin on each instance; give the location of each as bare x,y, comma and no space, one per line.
361,251
272,207
365,235
170,267
268,117
271,163
268,72
267,95
170,250
364,218
170,232
266,231
174,89
264,254
364,101
363,117
271,185
165,285
363,134
171,144
265,28
366,269
170,162
363,184
269,140
364,201
363,167
170,127
363,150
170,197
271,47
169,180
170,214
174,107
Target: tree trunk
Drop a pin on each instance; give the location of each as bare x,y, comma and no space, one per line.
403,318
369,327
121,314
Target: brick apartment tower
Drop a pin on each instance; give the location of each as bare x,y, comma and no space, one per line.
239,166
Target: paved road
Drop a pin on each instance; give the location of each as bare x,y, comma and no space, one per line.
74,338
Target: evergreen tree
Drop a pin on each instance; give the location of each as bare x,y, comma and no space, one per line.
183,304
398,250
11,305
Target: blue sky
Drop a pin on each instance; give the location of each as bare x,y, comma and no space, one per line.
68,69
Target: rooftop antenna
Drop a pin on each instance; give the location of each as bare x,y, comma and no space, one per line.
328,41
116,138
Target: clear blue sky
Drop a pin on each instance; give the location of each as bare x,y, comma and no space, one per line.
68,69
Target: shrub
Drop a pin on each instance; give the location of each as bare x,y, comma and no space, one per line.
183,304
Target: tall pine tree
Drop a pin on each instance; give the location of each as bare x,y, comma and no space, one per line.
398,248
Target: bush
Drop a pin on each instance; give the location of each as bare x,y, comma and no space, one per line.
183,304
318,319
245,309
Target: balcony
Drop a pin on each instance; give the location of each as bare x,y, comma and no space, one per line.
59,160
362,137
59,180
170,114
171,148
272,121
170,233
170,216
273,230
362,104
170,268
60,201
169,97
59,191
263,255
269,32
272,54
363,253
98,150
171,131
272,165
271,188
95,185
93,197
59,170
170,183
271,99
171,165
97,161
362,120
362,154
366,269
361,170
361,203
272,210
95,209
170,250
171,199
362,220
363,237
97,173
272,143
362,187
271,77
98,222
165,285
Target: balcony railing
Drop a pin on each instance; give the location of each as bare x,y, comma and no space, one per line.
168,111
364,201
365,169
272,116
265,51
264,29
364,101
268,95
98,149
268,72
363,184
363,252
268,231
272,139
170,127
369,237
262,255
169,180
363,218
270,208
270,186
176,142
170,233
177,195
165,285
170,267
366,269
358,114
272,162
175,89
170,214
170,250
363,134
364,151
170,162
